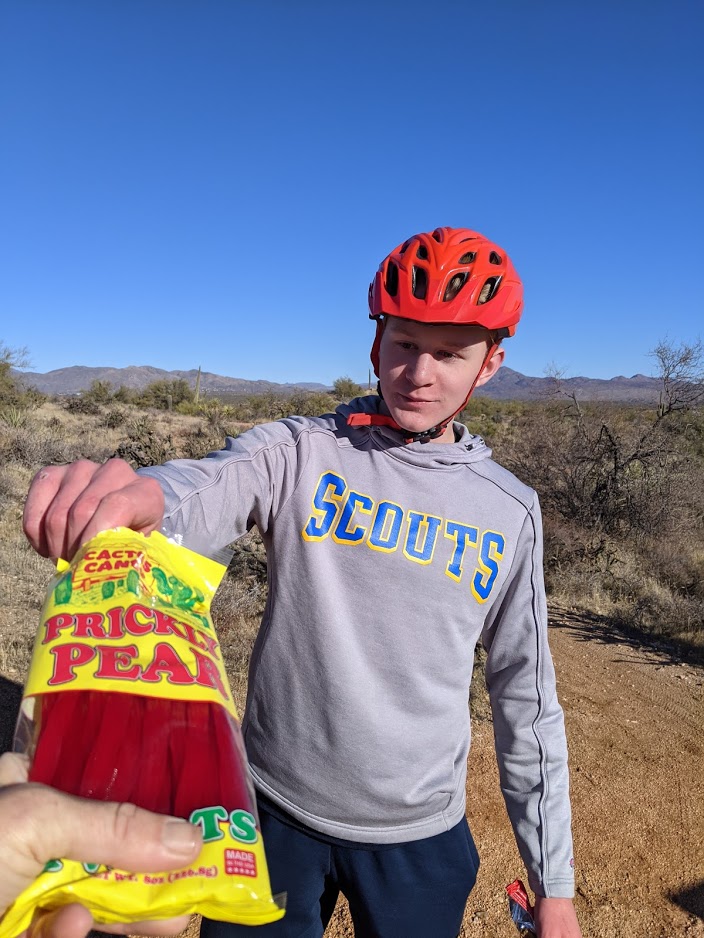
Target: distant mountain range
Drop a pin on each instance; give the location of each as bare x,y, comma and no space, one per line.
77,378
506,385
510,385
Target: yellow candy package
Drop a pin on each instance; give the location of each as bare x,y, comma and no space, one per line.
127,700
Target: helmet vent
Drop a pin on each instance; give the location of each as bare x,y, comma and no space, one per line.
404,247
392,279
467,239
467,258
438,234
419,283
422,253
495,258
488,290
454,286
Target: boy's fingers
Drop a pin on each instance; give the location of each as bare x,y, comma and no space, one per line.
67,505
42,492
53,493
81,497
139,505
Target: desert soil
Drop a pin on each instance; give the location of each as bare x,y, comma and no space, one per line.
634,720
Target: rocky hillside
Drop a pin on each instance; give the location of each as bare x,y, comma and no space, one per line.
79,378
512,385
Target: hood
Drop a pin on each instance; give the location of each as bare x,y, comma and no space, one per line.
467,447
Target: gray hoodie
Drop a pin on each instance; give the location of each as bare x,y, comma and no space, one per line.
386,563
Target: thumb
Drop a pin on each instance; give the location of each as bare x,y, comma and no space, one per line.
40,824
125,836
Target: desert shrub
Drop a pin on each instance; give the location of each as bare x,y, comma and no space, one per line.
33,448
344,389
220,419
124,395
236,615
249,560
32,399
144,445
577,562
11,485
11,391
165,394
493,420
263,407
100,392
81,405
309,404
14,416
237,610
619,487
645,601
196,443
113,418
608,469
190,408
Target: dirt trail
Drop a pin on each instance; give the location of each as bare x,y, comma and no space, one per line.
634,722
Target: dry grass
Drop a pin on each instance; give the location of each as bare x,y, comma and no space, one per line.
654,586
51,434
23,577
623,500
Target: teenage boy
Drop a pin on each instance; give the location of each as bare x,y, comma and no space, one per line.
394,543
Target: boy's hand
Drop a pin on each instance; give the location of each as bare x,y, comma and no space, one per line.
556,918
68,505
38,823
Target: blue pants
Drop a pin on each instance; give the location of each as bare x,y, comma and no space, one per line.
411,890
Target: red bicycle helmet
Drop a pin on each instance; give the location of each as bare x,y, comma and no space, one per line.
450,275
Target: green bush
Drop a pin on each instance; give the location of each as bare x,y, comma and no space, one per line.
344,389
100,392
309,404
165,394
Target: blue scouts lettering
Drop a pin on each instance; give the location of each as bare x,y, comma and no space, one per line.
352,518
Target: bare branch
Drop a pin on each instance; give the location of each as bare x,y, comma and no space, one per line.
13,357
681,370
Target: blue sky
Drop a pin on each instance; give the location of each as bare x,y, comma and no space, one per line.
214,182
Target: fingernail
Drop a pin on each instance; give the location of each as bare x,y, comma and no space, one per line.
180,838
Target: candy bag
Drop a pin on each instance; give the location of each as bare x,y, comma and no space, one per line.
520,908
127,700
